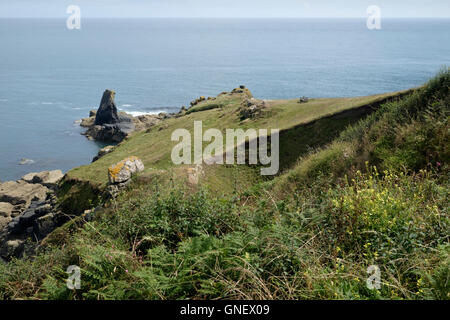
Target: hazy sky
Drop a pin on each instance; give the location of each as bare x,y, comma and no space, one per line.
225,8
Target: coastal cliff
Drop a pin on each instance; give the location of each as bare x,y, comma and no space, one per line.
56,200
364,181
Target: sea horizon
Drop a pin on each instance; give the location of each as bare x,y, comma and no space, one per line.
52,76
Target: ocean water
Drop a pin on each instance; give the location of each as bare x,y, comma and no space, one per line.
51,76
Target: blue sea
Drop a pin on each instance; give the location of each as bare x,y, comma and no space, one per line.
51,76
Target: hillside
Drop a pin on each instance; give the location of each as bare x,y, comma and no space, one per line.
154,147
303,127
364,182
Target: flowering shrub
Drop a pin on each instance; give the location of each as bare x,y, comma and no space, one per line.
392,210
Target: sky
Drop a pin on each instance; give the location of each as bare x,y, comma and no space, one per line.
224,8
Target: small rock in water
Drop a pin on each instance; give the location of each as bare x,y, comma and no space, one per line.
25,161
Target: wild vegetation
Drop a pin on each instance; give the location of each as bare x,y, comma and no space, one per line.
376,193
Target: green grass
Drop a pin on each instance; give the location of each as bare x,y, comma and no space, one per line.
405,135
154,147
376,193
303,126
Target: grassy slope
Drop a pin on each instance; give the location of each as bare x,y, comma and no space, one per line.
154,147
303,127
375,138
310,233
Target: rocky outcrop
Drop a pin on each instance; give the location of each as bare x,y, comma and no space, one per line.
194,174
6,209
303,99
27,210
4,221
35,223
120,174
111,132
122,171
197,101
251,108
107,111
25,224
104,151
45,178
87,122
242,89
147,121
108,124
20,193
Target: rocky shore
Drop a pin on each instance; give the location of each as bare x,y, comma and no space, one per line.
29,207
27,210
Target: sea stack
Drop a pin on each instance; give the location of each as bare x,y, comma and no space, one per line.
108,124
107,112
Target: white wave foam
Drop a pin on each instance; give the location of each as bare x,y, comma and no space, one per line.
25,161
141,113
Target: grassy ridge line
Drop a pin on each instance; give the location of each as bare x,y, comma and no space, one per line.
370,138
154,147
301,129
298,140
295,142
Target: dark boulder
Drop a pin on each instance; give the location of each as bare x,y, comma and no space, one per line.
14,226
44,225
109,124
107,112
